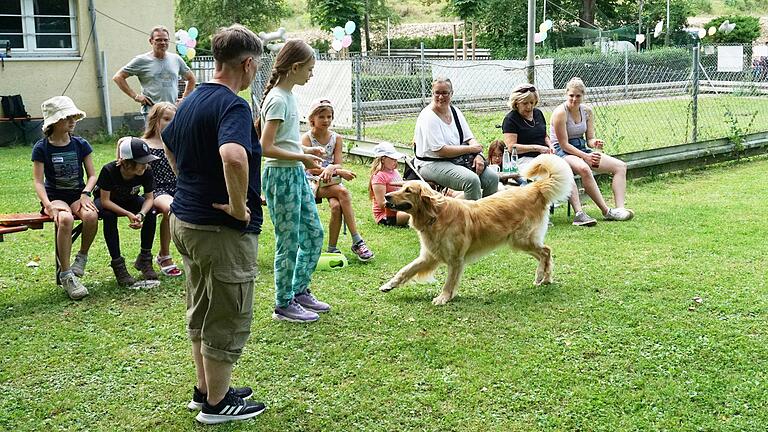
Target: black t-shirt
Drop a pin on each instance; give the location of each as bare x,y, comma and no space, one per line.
62,166
528,132
121,189
208,118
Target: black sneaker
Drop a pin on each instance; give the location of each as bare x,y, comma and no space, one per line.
231,408
198,397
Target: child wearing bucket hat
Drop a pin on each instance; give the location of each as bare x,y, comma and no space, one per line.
330,174
385,178
59,162
119,183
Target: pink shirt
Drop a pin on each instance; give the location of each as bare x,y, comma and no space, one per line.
385,177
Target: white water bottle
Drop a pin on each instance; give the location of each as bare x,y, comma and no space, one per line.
506,162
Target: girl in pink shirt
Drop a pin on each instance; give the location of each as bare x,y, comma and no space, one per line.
384,179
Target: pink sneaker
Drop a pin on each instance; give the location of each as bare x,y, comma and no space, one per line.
361,250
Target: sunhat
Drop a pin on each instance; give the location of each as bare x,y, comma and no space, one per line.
388,150
136,149
57,108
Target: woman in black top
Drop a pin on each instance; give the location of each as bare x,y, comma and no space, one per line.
524,127
525,130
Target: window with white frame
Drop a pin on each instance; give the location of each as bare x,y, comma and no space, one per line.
38,28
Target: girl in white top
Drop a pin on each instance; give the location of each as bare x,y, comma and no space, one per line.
330,175
291,203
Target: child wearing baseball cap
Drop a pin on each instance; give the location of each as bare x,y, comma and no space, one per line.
119,183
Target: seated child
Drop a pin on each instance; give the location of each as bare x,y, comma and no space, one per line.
165,181
384,179
330,175
495,160
58,161
118,184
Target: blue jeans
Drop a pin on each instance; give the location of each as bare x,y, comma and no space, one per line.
462,179
298,231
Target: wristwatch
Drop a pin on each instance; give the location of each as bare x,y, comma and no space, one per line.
141,216
87,193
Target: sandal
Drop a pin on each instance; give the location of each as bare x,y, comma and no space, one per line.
170,269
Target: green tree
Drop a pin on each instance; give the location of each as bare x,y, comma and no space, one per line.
747,29
209,15
367,14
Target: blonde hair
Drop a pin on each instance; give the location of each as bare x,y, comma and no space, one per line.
153,119
523,93
376,166
576,84
442,79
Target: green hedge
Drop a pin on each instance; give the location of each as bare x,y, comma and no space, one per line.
747,30
596,69
391,87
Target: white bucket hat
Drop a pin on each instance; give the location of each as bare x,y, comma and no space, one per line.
388,150
57,108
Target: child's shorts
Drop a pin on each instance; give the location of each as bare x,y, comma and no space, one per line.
68,197
388,221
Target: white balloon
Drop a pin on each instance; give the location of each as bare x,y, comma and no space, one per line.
702,33
336,45
640,38
658,29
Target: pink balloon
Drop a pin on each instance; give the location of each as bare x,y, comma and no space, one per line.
191,43
346,41
537,38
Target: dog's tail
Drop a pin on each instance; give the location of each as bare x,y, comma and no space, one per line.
553,175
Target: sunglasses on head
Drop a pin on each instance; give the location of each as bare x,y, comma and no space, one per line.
528,89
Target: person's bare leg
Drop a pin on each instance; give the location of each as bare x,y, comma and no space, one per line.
199,367
163,205
583,170
217,377
618,168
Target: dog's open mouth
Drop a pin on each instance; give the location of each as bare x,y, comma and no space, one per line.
401,207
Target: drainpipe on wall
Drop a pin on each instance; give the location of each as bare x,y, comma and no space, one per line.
100,72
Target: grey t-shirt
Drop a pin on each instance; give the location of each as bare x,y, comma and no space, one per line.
159,78
281,105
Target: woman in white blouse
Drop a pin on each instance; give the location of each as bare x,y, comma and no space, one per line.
447,152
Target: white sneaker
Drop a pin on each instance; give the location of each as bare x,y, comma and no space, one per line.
619,214
73,287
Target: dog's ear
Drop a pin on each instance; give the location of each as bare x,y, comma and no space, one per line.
430,202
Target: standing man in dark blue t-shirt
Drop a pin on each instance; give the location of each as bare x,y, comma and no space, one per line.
212,146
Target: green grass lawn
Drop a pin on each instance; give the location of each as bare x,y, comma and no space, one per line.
616,343
627,127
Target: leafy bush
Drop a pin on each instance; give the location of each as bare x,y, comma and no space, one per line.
596,69
321,45
747,29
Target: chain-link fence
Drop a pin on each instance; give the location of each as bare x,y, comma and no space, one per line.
641,100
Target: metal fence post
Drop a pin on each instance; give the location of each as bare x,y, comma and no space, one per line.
358,103
626,72
695,83
423,87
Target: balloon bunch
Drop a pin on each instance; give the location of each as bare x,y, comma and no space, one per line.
186,41
342,37
270,40
544,27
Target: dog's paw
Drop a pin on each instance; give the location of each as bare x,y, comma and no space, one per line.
542,280
440,300
387,287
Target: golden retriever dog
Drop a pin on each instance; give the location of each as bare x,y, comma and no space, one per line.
458,232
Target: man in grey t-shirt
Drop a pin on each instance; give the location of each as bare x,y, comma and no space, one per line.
158,72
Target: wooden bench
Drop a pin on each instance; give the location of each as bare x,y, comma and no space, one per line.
18,222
